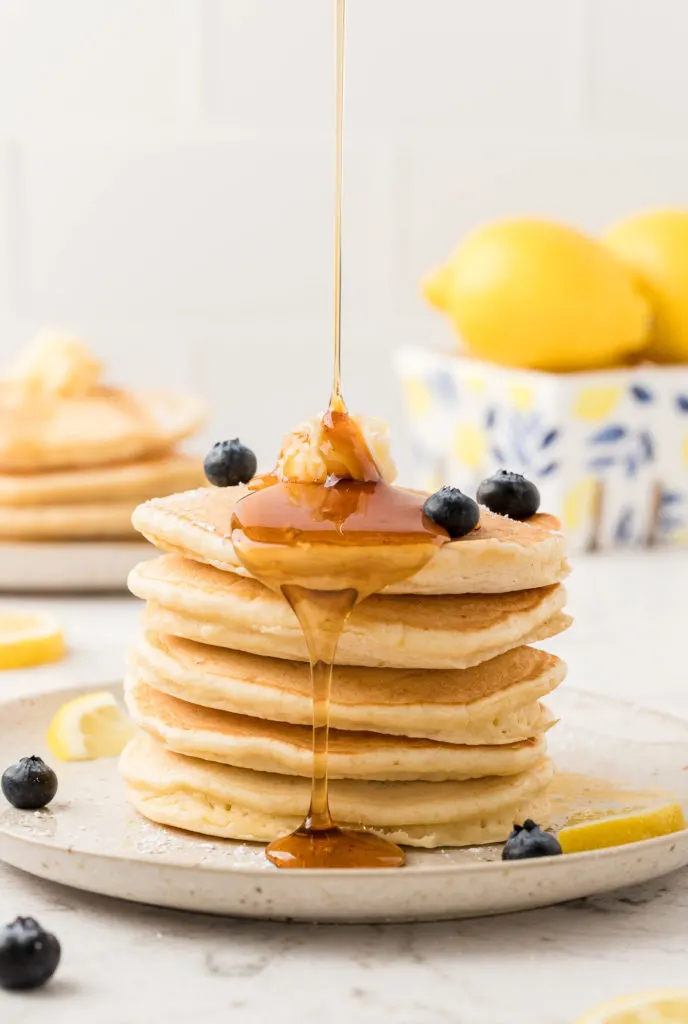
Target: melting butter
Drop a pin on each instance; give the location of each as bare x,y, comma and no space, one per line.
308,456
55,365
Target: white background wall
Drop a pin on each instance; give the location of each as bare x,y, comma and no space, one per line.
165,173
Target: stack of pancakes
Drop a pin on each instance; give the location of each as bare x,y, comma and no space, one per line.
76,457
438,733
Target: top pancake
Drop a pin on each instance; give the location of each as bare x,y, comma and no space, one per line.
501,556
102,426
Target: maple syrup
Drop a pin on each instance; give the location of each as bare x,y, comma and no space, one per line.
325,547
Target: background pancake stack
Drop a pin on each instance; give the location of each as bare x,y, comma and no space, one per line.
438,733
76,457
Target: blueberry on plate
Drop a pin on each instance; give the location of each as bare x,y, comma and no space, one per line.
230,463
454,511
28,955
528,840
509,494
29,784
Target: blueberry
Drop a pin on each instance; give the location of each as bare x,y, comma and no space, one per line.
229,463
29,784
455,512
528,840
28,955
509,494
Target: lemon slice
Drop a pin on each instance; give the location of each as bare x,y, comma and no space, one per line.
623,829
670,1006
89,727
27,639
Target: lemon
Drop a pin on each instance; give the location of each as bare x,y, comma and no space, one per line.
89,727
654,246
28,639
540,295
668,1006
623,829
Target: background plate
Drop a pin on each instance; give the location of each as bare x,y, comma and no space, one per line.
90,839
69,566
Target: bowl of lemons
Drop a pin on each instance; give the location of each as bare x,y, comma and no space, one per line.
569,363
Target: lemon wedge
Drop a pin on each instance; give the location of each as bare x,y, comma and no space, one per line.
670,1006
623,829
89,727
27,639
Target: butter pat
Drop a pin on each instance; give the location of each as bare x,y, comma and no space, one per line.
56,365
306,458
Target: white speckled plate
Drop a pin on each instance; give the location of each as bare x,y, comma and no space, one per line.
74,566
90,839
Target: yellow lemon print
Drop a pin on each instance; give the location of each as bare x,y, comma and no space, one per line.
476,385
596,403
433,482
470,445
418,397
579,503
685,449
521,397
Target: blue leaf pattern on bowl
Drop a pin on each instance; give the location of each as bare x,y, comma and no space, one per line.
614,432
673,513
670,498
523,442
445,386
682,403
642,393
617,446
631,466
624,526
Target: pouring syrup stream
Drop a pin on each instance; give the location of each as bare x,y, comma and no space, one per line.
325,548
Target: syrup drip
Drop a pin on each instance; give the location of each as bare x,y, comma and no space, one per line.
325,548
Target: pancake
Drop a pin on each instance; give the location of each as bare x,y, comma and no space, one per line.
201,603
237,803
249,742
102,426
134,482
492,703
501,556
99,520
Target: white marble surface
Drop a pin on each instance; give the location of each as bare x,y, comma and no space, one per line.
125,964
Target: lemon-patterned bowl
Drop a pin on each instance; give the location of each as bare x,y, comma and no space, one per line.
608,449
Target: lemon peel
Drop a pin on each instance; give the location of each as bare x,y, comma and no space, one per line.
623,829
89,727
28,639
